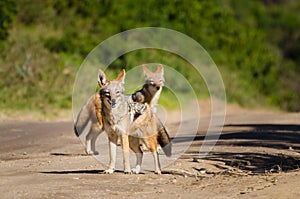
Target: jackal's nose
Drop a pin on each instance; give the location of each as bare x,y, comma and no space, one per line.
157,87
113,102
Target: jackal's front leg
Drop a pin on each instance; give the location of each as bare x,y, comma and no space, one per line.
112,154
125,150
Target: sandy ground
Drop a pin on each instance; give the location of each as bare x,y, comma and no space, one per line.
257,155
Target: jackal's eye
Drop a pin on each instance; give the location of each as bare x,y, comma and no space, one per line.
118,93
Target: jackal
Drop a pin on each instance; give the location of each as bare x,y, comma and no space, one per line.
150,93
117,123
115,117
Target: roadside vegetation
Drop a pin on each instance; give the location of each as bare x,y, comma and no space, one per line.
255,44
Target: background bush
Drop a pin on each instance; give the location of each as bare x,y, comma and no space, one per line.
255,44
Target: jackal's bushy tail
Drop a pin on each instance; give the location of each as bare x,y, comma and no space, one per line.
81,121
164,139
84,116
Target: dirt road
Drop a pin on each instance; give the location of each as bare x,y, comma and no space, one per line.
257,155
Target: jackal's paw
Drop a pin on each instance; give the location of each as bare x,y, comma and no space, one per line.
136,170
92,152
158,172
109,171
88,152
127,172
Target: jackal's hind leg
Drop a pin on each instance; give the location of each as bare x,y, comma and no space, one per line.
134,144
91,137
152,143
156,163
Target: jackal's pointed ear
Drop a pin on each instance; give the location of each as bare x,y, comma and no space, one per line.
102,79
147,72
121,77
160,69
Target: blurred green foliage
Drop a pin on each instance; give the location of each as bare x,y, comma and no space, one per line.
255,44
8,11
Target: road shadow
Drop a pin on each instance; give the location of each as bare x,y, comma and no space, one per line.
248,141
257,163
69,154
164,172
263,135
74,172
79,172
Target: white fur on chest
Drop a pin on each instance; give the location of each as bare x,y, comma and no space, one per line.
155,100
